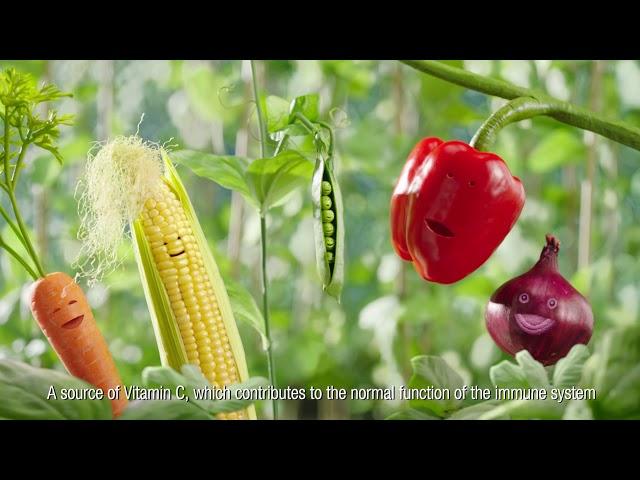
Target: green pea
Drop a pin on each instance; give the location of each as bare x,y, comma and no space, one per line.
325,202
328,215
329,242
326,188
329,257
328,229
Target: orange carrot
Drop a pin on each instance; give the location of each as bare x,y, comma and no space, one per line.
62,310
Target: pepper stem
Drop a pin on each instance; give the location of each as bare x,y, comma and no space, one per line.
516,110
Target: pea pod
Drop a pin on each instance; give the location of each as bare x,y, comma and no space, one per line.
328,227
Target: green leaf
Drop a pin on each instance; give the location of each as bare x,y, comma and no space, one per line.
568,370
307,105
525,410
557,149
274,178
507,375
235,404
189,377
527,374
226,170
431,371
276,112
245,308
175,409
20,96
577,410
153,377
24,390
474,412
533,370
194,375
164,410
614,371
411,414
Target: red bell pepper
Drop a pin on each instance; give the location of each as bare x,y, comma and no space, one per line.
452,207
400,197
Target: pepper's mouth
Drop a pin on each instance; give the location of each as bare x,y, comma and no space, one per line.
439,228
533,324
73,323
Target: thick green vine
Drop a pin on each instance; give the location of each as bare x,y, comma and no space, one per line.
540,103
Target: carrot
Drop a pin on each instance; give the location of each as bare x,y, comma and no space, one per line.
63,313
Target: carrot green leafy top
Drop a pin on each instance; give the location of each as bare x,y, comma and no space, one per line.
23,126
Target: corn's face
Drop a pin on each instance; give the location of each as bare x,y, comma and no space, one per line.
192,315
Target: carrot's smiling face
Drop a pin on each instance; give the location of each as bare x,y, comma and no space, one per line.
66,307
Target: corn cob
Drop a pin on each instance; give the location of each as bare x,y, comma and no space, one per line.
193,302
190,309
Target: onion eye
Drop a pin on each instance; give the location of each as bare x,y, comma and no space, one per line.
524,298
552,303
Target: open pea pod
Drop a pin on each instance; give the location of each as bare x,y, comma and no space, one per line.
328,227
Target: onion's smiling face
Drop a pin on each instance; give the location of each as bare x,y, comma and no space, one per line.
530,314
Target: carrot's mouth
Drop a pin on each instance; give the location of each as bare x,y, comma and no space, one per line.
74,322
439,228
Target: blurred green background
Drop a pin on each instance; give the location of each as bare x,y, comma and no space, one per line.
583,188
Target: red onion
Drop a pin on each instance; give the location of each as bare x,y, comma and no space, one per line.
540,311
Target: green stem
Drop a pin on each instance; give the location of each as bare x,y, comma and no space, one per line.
263,244
516,110
25,235
309,125
473,81
9,186
281,144
6,152
265,309
306,122
17,256
327,127
18,166
261,124
564,112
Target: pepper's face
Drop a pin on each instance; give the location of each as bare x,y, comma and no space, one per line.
462,203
